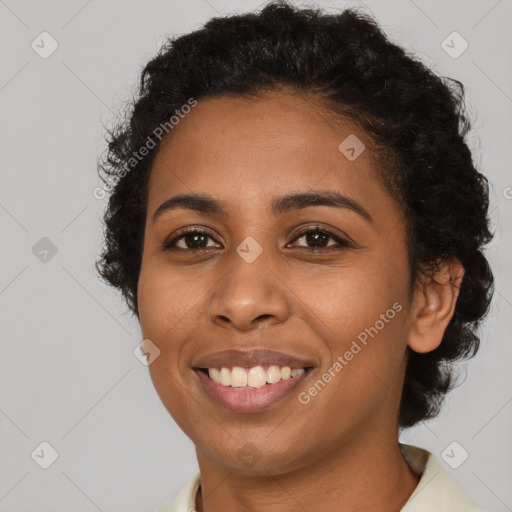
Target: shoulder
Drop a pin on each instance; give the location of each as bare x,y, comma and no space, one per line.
186,499
436,490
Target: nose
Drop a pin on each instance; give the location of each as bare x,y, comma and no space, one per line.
250,294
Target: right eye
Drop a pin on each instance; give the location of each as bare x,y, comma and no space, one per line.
190,238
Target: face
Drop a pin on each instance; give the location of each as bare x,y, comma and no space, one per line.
322,281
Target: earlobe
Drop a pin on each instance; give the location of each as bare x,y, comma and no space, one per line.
433,306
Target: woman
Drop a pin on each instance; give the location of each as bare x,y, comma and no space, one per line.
296,221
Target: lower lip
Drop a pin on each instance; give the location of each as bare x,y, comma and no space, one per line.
250,399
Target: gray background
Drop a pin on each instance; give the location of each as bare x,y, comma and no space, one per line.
68,374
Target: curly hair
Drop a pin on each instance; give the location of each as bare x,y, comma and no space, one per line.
415,118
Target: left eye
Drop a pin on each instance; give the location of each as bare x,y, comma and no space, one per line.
320,237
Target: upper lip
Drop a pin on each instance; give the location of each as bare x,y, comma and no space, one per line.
251,358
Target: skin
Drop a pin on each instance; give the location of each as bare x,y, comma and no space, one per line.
340,450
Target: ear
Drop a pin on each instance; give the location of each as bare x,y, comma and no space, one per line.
433,305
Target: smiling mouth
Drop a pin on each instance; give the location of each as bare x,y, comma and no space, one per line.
259,376
252,395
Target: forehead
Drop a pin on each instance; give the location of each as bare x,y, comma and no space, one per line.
252,149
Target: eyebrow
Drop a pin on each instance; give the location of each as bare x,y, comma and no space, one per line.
210,206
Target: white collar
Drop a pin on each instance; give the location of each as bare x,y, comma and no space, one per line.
436,490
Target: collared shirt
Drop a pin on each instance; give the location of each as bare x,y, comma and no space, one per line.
436,491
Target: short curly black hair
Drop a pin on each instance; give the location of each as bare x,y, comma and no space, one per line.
415,118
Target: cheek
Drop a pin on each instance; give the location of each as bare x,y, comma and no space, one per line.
359,313
347,299
166,307
166,299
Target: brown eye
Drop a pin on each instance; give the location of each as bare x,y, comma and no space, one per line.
194,239
190,239
318,238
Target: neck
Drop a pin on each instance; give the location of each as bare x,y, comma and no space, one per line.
363,477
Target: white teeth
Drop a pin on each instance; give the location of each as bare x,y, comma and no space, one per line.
256,377
238,377
225,376
214,374
286,372
273,374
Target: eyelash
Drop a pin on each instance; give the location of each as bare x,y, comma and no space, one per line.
169,245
